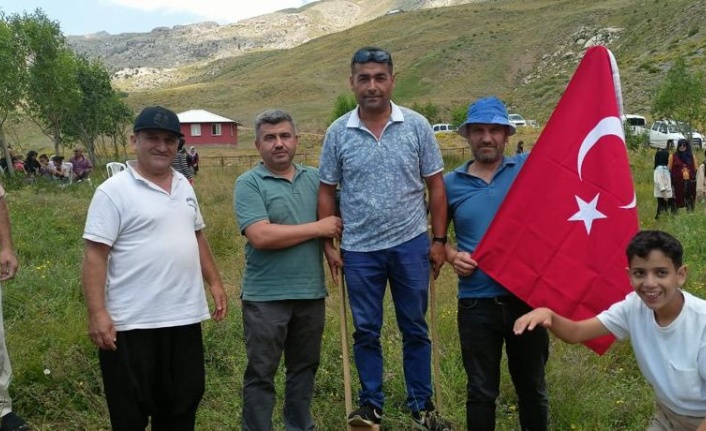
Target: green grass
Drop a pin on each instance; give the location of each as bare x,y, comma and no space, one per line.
57,383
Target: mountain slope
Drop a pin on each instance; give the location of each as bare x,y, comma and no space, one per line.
180,45
523,51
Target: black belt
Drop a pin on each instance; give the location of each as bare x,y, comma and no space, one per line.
498,300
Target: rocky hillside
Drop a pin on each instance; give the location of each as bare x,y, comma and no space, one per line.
139,55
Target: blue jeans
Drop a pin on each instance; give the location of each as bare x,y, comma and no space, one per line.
406,266
294,327
483,325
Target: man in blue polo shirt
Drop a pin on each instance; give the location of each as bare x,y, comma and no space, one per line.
283,287
486,310
383,156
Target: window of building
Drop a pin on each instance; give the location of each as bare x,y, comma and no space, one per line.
216,129
195,130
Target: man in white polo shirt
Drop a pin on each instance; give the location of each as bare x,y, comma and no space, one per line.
145,260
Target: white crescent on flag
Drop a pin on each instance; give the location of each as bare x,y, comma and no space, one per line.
606,127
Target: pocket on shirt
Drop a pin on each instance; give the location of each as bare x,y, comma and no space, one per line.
685,382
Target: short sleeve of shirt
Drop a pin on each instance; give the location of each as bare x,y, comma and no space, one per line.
329,163
2,191
102,220
248,201
431,160
616,318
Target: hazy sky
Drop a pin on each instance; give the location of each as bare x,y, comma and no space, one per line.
125,16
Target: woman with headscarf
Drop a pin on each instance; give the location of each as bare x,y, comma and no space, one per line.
682,166
194,159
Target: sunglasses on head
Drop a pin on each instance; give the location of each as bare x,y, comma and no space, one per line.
683,144
374,55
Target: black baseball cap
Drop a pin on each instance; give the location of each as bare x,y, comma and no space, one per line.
157,117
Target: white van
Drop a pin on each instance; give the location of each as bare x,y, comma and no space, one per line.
443,128
637,124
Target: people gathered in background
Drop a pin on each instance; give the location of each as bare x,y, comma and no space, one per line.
82,166
682,166
57,170
701,180
181,164
193,159
44,166
663,184
32,166
17,162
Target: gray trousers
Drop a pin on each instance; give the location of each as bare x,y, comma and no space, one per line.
292,327
5,369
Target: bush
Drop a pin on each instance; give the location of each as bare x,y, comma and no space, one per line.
343,103
430,111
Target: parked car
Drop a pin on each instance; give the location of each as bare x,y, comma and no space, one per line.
663,130
443,128
637,124
517,120
697,139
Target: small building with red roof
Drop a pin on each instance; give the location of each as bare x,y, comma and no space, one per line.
201,127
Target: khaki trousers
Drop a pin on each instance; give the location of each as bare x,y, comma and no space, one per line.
666,420
5,369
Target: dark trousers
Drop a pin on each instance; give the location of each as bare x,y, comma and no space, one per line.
483,326
292,327
664,205
157,373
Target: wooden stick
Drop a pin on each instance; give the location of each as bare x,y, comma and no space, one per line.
344,345
435,342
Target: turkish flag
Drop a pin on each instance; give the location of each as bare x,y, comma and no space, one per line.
559,238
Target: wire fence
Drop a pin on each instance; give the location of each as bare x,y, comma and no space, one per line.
243,162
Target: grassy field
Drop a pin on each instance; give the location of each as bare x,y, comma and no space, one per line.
57,383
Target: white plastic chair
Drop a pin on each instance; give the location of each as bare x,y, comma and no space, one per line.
67,170
115,167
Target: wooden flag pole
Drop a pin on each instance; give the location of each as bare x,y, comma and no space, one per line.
346,358
344,344
435,342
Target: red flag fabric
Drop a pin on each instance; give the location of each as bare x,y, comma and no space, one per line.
558,240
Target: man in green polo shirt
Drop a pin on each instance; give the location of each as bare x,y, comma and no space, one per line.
283,287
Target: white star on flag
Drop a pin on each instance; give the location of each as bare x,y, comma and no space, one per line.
587,212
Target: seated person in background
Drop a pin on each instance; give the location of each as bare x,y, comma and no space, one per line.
32,165
666,327
17,163
58,172
44,165
82,166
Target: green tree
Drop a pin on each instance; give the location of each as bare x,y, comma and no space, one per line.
13,76
94,115
120,116
343,103
458,115
681,97
429,110
52,87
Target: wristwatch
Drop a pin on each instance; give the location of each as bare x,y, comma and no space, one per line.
441,239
